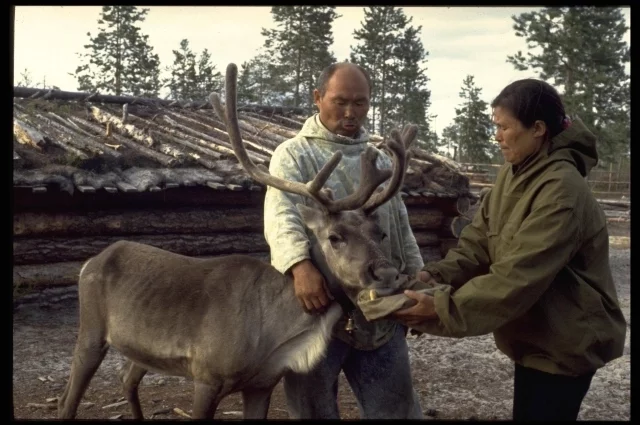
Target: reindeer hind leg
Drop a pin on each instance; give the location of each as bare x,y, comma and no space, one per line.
131,376
88,355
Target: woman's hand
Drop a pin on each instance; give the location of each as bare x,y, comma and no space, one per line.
424,309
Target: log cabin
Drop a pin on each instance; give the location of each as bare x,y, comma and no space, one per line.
91,169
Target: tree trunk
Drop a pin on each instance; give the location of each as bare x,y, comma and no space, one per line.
51,250
151,221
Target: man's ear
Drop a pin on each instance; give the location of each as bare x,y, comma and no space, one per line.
313,218
316,97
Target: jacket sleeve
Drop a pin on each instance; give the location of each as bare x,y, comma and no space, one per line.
471,256
540,248
414,261
284,229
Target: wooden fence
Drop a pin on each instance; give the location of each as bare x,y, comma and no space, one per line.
612,182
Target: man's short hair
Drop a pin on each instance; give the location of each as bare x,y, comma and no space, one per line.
327,73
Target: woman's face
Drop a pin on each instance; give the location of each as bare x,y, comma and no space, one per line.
516,142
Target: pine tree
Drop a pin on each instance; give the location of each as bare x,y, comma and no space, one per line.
451,139
144,73
582,51
256,82
299,47
409,98
473,126
120,59
192,78
379,37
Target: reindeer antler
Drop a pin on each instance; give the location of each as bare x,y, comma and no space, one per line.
370,176
399,146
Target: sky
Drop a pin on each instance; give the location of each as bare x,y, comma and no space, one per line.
461,41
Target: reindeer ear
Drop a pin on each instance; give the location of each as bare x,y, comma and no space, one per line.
313,218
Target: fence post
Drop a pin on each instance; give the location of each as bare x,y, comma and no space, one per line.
610,171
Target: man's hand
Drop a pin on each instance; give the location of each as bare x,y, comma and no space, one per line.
424,310
310,287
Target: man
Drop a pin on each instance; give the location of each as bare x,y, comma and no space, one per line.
374,357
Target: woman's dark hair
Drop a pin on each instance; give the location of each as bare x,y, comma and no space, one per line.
530,100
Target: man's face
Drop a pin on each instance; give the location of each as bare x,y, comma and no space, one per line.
345,104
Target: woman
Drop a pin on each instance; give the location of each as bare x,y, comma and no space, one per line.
533,265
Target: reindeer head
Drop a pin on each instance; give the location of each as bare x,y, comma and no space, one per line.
347,229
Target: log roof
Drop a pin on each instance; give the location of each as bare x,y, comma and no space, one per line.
86,142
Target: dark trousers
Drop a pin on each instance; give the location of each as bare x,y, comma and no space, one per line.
541,396
380,380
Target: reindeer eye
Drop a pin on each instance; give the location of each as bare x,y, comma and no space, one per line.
384,236
334,238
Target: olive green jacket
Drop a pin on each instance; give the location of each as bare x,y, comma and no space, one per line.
533,265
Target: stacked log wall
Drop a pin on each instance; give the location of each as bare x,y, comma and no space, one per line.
51,244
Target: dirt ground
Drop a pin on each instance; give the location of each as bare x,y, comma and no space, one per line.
455,378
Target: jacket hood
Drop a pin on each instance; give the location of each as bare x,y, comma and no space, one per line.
314,129
576,144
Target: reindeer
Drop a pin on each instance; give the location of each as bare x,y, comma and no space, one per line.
231,323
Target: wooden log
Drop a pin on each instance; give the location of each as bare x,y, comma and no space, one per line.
128,129
36,121
425,218
273,139
446,245
163,132
126,187
59,249
163,159
449,206
436,159
40,276
26,135
199,196
86,189
33,121
426,238
479,184
60,134
170,150
46,275
213,144
26,92
67,121
430,253
216,127
86,142
248,136
284,121
262,125
191,147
